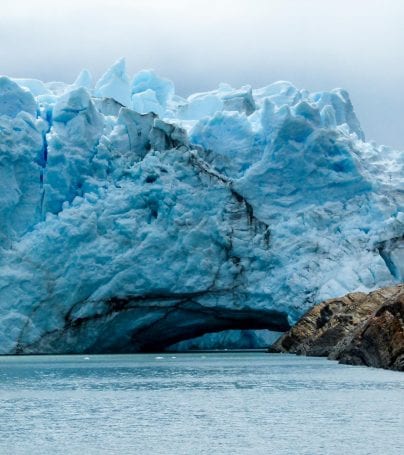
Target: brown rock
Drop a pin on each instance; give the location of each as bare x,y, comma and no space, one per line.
380,341
365,329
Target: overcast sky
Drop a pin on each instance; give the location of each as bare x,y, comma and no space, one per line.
315,44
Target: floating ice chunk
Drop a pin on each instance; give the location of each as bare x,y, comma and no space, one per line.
148,79
114,83
14,99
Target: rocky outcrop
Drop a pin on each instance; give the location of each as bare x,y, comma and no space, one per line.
380,341
358,329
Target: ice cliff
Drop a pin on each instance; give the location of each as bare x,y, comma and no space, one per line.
132,218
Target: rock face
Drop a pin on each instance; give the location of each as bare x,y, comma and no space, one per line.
132,218
380,341
358,329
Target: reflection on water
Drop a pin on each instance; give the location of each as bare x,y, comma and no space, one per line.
224,403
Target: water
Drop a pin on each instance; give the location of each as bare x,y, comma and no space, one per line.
224,403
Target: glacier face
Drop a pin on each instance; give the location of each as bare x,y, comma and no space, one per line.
132,218
228,339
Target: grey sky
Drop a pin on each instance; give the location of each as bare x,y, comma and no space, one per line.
316,44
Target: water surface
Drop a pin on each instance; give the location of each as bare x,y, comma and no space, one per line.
212,403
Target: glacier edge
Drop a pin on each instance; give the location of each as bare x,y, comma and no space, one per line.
132,218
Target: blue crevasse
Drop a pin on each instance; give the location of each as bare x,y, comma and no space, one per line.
132,218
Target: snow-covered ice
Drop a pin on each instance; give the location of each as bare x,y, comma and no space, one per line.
132,218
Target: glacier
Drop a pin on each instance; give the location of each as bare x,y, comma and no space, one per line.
132,218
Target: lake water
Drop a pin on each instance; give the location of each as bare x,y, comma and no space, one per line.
219,403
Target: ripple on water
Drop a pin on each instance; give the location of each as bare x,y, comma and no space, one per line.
232,403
